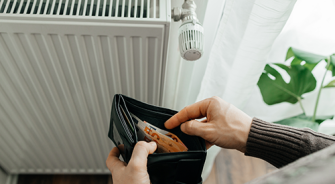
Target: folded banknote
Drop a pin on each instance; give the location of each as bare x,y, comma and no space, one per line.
166,141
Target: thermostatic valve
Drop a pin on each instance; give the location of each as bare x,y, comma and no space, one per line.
186,13
190,32
191,40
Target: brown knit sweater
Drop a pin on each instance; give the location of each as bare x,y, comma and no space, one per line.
280,145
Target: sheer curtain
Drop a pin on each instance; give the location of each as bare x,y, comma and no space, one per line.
311,27
242,45
241,36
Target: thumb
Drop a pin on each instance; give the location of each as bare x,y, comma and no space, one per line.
201,129
140,154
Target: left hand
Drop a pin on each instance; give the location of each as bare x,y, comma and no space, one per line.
136,171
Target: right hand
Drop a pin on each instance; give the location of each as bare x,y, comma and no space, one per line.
225,125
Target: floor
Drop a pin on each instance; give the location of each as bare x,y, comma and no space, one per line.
64,179
231,167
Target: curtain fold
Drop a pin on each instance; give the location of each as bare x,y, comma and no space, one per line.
243,42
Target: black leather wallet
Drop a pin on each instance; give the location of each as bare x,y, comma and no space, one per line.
163,168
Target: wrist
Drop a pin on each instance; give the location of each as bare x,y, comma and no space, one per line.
245,122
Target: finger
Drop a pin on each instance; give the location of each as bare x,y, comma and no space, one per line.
197,110
197,128
113,160
140,154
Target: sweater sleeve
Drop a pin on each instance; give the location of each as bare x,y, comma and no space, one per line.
280,145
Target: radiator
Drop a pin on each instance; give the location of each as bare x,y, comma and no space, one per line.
61,62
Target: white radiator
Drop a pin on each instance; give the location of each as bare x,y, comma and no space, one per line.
61,62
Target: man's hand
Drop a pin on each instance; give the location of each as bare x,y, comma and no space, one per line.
225,125
136,171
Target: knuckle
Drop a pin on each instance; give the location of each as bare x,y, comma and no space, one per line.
186,109
215,98
184,113
189,126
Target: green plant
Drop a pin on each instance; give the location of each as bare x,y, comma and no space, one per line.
275,90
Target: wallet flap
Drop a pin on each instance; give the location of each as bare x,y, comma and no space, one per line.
189,171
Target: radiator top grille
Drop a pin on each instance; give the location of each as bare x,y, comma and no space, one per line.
93,8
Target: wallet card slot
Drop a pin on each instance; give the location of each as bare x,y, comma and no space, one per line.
148,112
129,136
123,121
148,107
129,118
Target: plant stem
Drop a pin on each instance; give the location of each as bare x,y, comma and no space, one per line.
302,107
319,93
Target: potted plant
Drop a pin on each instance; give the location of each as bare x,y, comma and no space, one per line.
275,90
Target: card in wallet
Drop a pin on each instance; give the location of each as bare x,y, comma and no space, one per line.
163,168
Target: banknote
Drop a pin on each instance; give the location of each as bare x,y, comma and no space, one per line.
166,141
164,144
169,134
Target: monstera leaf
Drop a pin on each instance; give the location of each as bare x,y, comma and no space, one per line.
332,64
299,56
332,69
300,121
331,84
303,121
275,90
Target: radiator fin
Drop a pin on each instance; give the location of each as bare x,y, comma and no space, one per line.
62,87
92,8
62,62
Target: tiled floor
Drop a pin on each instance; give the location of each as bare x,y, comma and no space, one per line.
231,167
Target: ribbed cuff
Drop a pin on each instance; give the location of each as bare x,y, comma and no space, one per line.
277,144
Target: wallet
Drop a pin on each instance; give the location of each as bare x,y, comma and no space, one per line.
163,168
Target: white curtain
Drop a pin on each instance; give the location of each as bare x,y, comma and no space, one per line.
241,36
311,27
242,45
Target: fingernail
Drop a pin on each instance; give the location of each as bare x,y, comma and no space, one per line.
153,143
